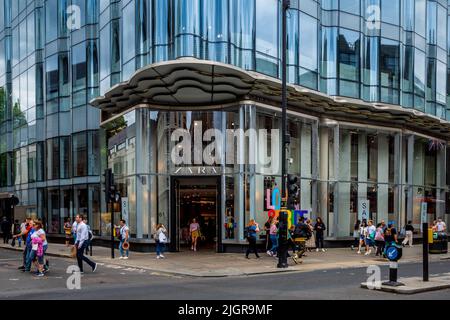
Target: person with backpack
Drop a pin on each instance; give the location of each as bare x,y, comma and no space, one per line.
161,240
319,228
252,230
81,244
124,240
370,237
90,237
379,240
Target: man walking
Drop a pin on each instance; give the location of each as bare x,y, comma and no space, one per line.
81,244
6,229
25,229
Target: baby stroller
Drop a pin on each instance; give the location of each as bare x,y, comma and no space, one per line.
299,236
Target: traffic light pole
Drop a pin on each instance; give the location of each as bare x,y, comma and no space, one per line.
283,245
286,4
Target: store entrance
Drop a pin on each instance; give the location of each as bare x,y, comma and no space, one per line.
196,198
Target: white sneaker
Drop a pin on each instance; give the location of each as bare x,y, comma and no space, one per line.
269,253
158,257
162,257
359,252
125,258
317,250
323,250
120,258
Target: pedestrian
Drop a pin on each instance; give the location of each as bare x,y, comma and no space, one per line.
434,226
25,228
319,228
390,235
82,236
362,235
267,230
273,252
252,231
370,237
379,240
441,226
356,234
311,242
90,237
74,230
39,246
161,240
409,235
194,230
6,229
124,240
29,258
68,231
15,230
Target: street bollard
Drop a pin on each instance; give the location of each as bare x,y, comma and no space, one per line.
394,254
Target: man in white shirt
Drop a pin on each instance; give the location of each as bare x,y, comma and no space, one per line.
81,244
441,226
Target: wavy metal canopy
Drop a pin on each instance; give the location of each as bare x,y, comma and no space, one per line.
191,83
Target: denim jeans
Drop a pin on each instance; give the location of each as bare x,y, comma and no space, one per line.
123,253
274,240
160,247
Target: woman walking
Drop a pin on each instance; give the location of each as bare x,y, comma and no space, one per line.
267,230
311,242
319,228
356,233
161,240
194,230
409,230
362,235
252,231
370,237
273,238
379,240
68,231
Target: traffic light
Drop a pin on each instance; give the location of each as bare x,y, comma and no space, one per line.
110,188
293,190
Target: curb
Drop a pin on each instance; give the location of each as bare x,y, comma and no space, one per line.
50,254
406,290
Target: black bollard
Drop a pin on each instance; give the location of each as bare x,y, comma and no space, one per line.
426,240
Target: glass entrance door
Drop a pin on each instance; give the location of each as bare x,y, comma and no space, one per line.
199,199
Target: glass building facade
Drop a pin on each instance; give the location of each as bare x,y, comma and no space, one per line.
58,55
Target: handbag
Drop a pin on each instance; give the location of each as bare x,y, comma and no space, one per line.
73,252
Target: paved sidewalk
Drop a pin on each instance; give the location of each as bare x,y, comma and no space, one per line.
209,264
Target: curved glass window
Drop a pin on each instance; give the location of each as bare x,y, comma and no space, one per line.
215,29
390,71
328,64
431,22
420,17
292,45
349,49
161,18
370,69
242,31
129,32
408,15
419,78
390,11
308,42
187,28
